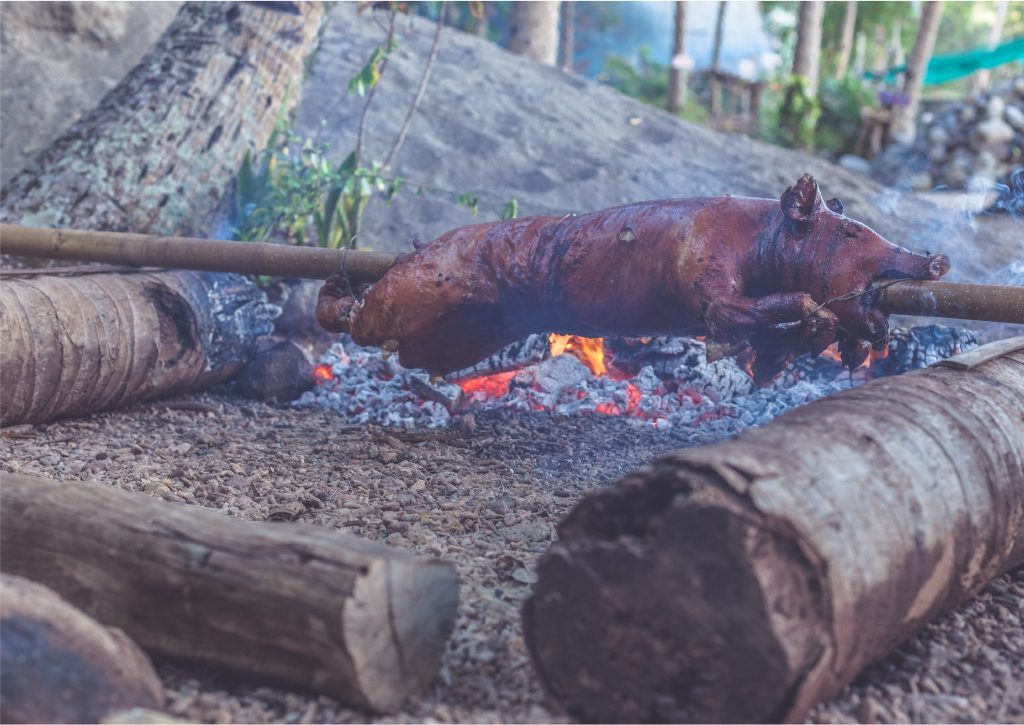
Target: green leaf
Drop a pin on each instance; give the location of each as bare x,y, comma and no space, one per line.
470,201
511,209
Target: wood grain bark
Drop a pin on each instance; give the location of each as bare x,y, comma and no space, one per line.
160,149
904,121
300,605
745,581
534,30
807,56
59,665
78,345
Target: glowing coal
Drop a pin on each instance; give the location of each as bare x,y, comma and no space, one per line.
664,382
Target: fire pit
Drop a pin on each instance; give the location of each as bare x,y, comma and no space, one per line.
664,382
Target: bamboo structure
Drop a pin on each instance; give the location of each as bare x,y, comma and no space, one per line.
746,581
296,604
59,665
996,303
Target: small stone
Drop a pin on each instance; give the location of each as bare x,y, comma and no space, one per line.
1014,116
524,576
938,135
921,181
857,164
995,107
994,131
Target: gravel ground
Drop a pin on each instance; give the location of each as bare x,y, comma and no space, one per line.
487,495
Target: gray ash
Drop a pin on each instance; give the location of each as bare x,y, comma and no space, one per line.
663,382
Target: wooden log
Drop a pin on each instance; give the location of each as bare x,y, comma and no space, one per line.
300,605
78,345
158,152
59,665
745,581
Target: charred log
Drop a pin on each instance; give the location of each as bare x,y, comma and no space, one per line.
746,581
299,605
59,665
79,345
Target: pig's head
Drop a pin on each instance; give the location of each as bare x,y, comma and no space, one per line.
835,259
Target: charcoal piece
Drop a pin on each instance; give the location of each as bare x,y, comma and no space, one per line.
281,373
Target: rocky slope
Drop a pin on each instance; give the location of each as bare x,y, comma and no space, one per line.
58,59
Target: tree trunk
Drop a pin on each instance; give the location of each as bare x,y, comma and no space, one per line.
904,125
59,665
78,345
808,42
881,61
716,56
160,149
568,45
678,72
745,581
534,31
846,39
981,79
300,605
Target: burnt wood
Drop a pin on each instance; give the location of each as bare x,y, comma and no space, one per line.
78,345
299,605
746,581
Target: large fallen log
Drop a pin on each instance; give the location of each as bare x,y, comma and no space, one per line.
159,150
745,581
78,345
300,605
59,665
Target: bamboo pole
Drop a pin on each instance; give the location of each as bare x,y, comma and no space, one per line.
746,581
208,255
993,303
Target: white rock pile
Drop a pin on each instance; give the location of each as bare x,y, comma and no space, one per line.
977,143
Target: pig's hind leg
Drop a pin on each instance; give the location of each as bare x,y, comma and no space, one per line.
776,328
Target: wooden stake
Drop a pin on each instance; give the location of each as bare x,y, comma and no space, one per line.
302,605
746,581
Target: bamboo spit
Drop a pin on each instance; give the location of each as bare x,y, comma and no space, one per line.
993,303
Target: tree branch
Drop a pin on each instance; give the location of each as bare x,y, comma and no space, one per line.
442,8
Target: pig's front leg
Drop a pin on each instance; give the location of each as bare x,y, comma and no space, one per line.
774,329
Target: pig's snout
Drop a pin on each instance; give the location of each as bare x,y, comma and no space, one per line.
936,265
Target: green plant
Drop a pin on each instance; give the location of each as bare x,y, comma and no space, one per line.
841,102
798,114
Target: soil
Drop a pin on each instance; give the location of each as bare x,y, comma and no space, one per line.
486,494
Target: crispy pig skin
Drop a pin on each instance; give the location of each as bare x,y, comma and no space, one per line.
760,278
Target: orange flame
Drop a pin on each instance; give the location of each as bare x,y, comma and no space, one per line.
495,385
322,373
589,350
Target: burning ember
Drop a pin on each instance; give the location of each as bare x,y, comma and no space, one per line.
664,382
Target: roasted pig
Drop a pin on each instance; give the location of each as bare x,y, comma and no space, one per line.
764,281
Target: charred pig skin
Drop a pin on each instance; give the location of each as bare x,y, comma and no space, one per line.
764,280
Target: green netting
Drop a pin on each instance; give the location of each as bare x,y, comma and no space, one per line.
945,68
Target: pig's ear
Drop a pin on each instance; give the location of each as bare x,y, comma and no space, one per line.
802,200
835,205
